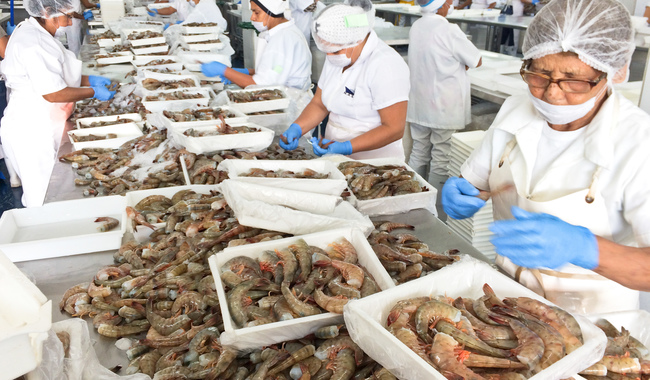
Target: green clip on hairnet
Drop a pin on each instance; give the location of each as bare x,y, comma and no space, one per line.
356,21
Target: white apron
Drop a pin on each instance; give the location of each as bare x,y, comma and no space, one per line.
31,135
572,288
341,128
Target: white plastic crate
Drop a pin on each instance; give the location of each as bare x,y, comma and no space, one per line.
251,142
124,133
86,121
161,105
200,29
251,337
260,106
142,50
240,118
61,228
168,77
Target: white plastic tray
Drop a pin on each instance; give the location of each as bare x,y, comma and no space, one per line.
124,132
264,105
89,120
140,62
187,38
168,77
365,319
161,105
637,322
193,60
25,318
239,118
201,29
251,337
61,229
150,50
119,58
148,41
334,185
251,142
203,46
400,203
106,42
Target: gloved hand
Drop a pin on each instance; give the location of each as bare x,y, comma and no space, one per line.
102,93
225,80
88,14
459,198
152,12
97,5
212,69
10,28
291,136
536,240
243,71
344,148
170,24
535,2
96,80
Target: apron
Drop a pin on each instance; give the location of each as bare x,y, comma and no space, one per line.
572,288
31,138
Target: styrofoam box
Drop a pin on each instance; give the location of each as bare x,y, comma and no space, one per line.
119,58
334,185
240,118
124,132
107,42
365,319
201,29
399,203
140,62
203,47
252,142
161,105
25,318
187,38
148,41
89,120
61,228
251,337
168,77
150,50
264,105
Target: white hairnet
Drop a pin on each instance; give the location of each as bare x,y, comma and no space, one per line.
340,26
599,31
51,8
430,6
275,7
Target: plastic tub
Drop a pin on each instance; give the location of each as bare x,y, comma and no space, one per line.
124,133
143,62
168,77
61,229
107,42
264,335
121,57
148,41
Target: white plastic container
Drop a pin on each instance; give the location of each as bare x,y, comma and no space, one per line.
333,185
124,132
86,121
396,204
161,105
25,318
259,106
148,41
279,122
366,320
162,48
168,77
107,42
202,46
201,29
251,337
250,142
116,58
193,60
239,119
187,38
61,228
141,62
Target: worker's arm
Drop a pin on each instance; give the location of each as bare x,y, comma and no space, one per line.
165,11
393,119
69,94
240,79
629,266
3,45
313,114
87,4
492,5
647,13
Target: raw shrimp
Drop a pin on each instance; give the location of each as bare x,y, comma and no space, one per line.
289,264
429,313
400,314
166,326
109,223
412,341
330,348
343,365
352,274
443,355
301,308
120,331
332,304
484,331
531,346
327,332
80,288
301,250
238,301
296,356
342,249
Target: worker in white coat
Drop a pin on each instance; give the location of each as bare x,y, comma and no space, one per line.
363,87
44,80
302,13
568,165
282,57
439,101
189,11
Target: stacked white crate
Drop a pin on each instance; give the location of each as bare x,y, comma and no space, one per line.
111,10
475,229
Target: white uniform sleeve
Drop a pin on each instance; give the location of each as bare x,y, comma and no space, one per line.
390,82
44,66
462,48
271,65
477,167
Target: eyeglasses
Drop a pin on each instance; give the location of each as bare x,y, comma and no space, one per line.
574,86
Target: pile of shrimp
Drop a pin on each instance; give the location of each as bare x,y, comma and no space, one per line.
404,256
297,281
124,101
307,173
371,182
625,357
486,338
176,95
154,84
255,95
189,114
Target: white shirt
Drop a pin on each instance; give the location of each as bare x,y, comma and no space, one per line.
378,79
304,19
481,4
207,11
617,139
440,87
286,60
183,8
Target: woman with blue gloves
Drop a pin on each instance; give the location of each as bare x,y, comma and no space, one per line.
364,88
567,166
282,54
44,81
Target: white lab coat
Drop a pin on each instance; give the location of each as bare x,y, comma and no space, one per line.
206,11
304,19
378,79
285,59
616,140
73,35
183,8
35,64
440,88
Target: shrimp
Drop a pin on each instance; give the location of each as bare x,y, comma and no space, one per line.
443,356
484,331
352,274
531,346
148,362
245,267
301,250
200,343
330,348
120,331
400,315
369,286
137,219
343,365
289,264
327,332
473,360
307,367
621,364
470,340
433,311
390,226
74,301
340,289
301,308
296,356
238,301
329,303
109,223
282,310
410,273
342,249
166,326
568,321
412,341
79,288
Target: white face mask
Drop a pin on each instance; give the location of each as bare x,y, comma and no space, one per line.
559,115
259,25
339,60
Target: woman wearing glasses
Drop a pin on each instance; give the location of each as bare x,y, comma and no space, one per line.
44,81
566,166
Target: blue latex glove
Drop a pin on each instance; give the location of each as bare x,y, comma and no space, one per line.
10,28
459,198
97,6
536,240
344,148
152,12
102,93
535,2
88,14
225,80
212,69
292,135
96,81
243,71
169,24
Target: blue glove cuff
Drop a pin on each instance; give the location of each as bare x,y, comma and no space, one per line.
348,148
589,259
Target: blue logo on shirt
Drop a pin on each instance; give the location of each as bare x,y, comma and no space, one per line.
349,92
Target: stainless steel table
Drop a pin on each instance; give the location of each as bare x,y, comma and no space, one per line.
54,276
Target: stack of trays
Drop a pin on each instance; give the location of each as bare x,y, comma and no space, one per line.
201,42
111,10
475,229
